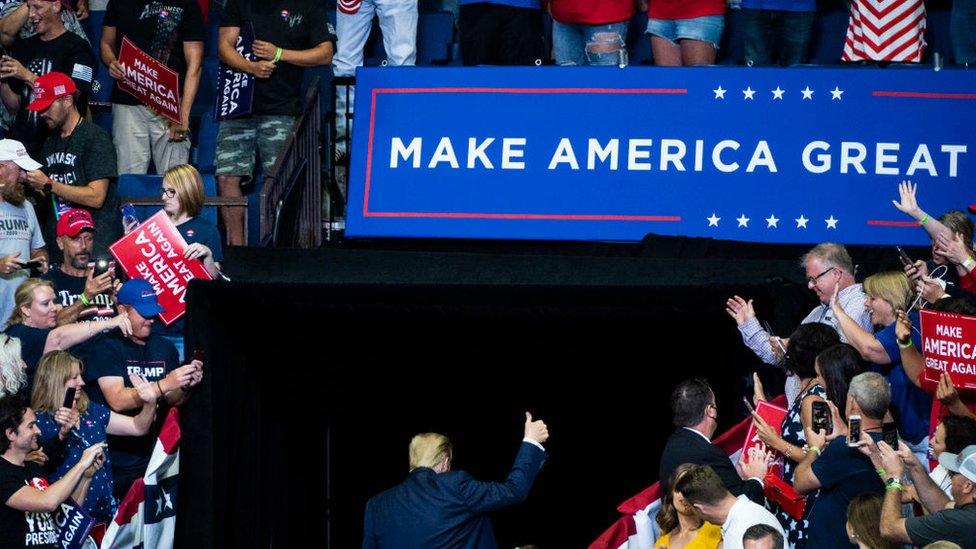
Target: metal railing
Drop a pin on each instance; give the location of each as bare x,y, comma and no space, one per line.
300,154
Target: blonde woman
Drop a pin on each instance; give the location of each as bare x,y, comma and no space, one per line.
182,199
888,293
84,423
680,523
34,322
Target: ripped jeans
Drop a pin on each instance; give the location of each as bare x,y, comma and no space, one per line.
590,44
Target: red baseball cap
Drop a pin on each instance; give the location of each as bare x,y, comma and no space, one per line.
50,87
73,221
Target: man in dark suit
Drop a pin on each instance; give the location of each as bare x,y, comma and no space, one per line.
696,418
436,507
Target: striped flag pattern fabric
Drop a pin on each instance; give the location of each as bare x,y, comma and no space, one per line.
146,518
886,30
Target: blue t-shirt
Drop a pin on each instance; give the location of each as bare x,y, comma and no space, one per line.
99,502
780,5
118,356
32,342
911,405
193,231
844,473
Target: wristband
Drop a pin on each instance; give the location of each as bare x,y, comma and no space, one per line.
815,449
277,56
881,473
905,345
893,485
969,264
84,299
162,394
924,220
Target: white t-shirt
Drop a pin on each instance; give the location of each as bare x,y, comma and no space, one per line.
19,232
742,516
940,476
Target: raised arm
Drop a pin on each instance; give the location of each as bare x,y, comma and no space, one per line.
69,335
31,499
864,341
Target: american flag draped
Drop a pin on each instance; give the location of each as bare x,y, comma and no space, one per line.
886,30
147,516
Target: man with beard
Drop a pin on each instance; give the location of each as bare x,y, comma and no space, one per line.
79,157
143,353
82,295
20,234
53,48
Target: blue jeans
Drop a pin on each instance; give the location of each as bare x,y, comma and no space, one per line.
590,44
776,37
963,30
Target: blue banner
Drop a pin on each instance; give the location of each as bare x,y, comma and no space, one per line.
73,525
796,155
235,90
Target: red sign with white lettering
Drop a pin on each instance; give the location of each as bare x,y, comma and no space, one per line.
149,81
949,345
154,251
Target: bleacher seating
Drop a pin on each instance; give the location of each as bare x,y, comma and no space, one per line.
149,186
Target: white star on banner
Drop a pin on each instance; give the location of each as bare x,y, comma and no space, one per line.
713,221
831,222
801,222
719,92
771,222
778,93
807,93
743,220
836,93
748,92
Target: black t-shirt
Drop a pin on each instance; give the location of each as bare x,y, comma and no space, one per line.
32,342
157,28
23,528
68,53
957,525
84,156
67,290
118,356
288,24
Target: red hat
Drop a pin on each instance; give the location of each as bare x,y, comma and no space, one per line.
972,208
73,221
50,87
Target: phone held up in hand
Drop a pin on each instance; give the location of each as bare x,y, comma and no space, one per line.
889,433
853,430
905,260
821,417
69,398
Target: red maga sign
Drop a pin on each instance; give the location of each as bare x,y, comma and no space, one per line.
149,81
154,251
949,345
772,415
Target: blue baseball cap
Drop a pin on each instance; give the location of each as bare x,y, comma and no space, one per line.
140,295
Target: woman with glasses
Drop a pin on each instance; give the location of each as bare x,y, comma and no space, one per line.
889,293
182,200
82,423
34,322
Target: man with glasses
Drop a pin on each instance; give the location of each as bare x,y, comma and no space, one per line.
20,233
695,417
80,166
828,267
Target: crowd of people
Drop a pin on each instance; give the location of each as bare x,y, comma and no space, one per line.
890,457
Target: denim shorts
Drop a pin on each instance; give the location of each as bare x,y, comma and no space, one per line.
707,28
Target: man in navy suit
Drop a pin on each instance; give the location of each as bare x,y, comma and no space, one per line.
696,418
436,507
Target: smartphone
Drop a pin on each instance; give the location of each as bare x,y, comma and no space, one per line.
889,432
198,355
69,398
749,405
101,266
33,264
853,430
905,260
821,417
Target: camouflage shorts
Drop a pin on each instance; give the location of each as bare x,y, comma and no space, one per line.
236,143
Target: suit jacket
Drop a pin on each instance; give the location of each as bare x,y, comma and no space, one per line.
686,446
431,510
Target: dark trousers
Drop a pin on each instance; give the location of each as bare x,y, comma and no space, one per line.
774,37
493,34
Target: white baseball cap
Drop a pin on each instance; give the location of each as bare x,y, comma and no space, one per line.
14,151
963,463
